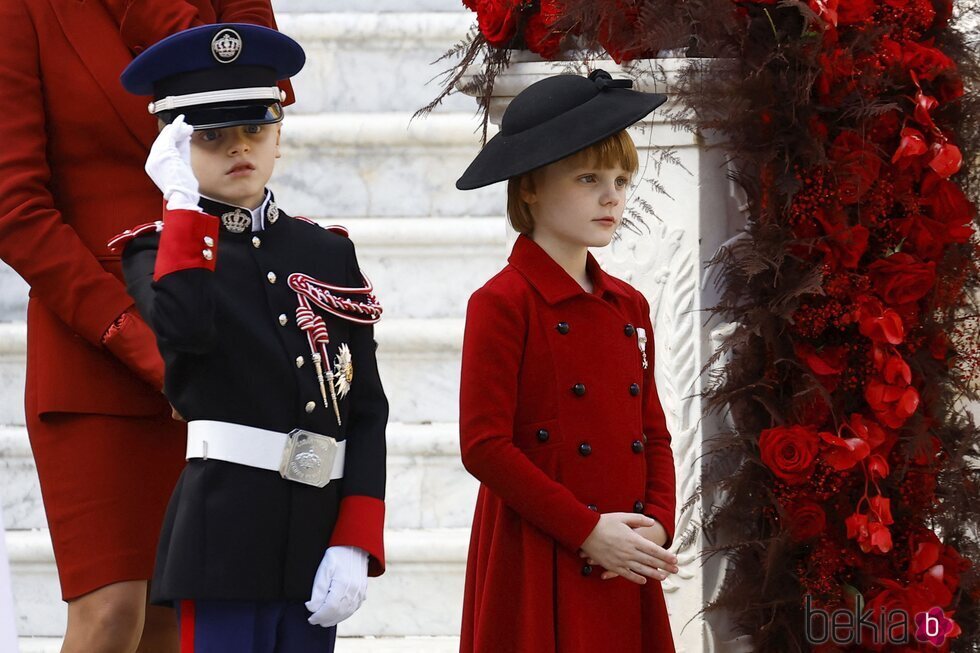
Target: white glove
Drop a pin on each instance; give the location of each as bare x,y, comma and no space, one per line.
169,166
340,585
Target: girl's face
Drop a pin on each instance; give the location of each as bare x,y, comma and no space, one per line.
576,202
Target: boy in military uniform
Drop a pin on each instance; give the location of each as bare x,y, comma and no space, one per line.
265,325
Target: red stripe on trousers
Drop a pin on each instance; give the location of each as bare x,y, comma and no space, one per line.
186,627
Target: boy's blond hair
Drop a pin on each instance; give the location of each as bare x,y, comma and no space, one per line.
618,149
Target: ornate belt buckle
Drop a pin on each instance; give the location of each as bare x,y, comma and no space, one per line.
308,458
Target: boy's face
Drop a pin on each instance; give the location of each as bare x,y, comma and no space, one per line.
233,164
577,202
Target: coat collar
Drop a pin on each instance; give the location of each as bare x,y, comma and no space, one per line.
95,37
238,219
549,279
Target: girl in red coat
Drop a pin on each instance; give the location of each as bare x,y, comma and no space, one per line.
559,415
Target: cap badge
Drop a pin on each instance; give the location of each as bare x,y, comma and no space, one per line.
236,221
226,46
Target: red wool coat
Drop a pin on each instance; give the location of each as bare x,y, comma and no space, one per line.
559,421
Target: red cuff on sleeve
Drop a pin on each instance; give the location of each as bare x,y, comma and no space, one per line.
361,523
665,518
189,240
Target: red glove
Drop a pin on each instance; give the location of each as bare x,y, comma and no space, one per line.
130,340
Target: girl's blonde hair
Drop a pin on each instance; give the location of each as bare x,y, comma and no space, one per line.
617,150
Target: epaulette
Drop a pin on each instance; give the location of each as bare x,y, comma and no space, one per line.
119,242
335,228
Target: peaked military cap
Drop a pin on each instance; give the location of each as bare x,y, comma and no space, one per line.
554,118
216,75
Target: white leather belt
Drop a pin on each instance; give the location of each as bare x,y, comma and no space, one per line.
301,456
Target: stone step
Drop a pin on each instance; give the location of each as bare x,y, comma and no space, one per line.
420,593
344,645
420,267
418,360
381,165
375,61
427,486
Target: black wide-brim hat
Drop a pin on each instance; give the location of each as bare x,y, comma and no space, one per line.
555,118
216,75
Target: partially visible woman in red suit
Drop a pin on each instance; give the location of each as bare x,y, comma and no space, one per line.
71,176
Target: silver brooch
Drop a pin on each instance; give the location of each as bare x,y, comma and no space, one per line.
236,221
272,213
226,46
343,371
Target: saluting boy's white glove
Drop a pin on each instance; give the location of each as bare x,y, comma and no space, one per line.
169,166
340,585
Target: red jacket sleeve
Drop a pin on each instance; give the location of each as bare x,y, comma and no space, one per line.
144,22
34,240
660,492
493,347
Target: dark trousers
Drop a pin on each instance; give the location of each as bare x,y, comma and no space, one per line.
250,627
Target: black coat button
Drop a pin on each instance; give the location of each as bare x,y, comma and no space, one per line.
585,448
587,570
629,330
638,506
637,446
563,327
579,389
593,507
543,435
634,389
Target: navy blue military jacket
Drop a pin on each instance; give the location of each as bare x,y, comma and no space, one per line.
225,320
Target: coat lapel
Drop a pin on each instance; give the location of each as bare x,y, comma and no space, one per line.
95,37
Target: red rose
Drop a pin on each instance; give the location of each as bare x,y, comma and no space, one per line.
806,519
620,32
926,237
540,34
497,20
902,278
790,452
845,247
855,11
946,202
926,61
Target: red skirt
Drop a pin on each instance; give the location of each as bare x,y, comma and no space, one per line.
105,482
